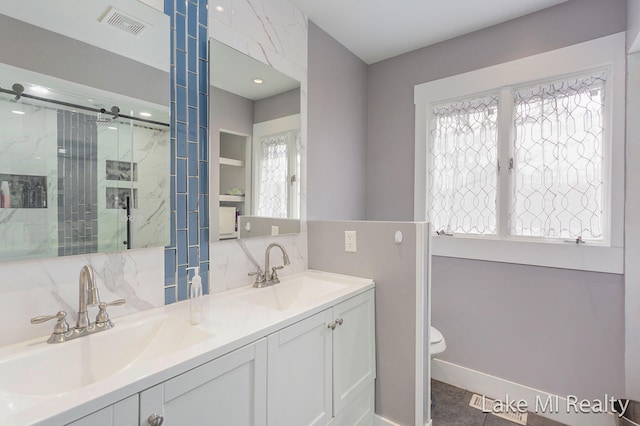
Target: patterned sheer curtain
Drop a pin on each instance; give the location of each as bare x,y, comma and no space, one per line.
273,176
558,159
463,169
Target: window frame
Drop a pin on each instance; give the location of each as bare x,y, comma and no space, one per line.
602,53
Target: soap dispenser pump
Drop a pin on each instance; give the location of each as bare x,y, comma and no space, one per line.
195,297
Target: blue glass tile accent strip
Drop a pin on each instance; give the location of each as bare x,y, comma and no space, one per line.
181,71
193,229
204,273
170,294
193,57
193,194
193,256
204,247
192,19
204,211
182,283
181,175
192,159
189,242
181,33
193,124
182,211
169,267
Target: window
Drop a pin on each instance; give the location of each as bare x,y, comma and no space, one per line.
463,164
556,167
524,161
277,168
558,154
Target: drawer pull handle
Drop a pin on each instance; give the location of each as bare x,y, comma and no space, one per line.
332,325
339,321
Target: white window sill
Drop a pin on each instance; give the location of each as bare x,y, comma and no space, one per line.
584,257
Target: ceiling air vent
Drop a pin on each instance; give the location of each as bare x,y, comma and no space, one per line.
124,22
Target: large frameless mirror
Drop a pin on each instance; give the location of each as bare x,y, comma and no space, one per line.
84,147
255,130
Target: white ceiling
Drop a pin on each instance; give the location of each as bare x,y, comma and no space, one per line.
379,29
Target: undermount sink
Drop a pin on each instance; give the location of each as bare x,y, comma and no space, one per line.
60,368
298,290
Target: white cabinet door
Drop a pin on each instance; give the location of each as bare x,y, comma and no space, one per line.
122,413
230,390
354,363
299,371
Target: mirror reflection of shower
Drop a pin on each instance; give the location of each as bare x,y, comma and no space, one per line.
81,171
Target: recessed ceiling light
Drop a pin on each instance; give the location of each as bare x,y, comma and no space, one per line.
219,8
145,114
258,80
18,112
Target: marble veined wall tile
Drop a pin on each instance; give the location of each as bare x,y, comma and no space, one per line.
232,260
45,286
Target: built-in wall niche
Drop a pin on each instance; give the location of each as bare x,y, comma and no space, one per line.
121,170
23,192
117,198
235,181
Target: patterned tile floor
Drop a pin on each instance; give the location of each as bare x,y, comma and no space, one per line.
452,409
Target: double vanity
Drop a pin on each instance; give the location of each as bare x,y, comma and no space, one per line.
298,352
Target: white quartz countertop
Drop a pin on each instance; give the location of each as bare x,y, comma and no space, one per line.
233,319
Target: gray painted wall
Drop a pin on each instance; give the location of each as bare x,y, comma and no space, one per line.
278,106
337,118
393,267
230,112
571,321
36,49
391,124
554,330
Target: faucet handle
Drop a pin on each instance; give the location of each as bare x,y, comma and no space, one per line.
59,329
274,275
102,319
260,277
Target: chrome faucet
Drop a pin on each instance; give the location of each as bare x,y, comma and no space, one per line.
266,278
87,296
86,287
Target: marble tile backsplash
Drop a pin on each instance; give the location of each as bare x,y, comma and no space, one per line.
45,286
234,259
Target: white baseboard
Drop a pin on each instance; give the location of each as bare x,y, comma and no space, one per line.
495,387
381,421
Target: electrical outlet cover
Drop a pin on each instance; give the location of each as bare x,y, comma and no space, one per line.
350,242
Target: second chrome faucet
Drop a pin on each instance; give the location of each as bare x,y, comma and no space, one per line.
267,278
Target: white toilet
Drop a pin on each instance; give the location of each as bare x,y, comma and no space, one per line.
437,345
